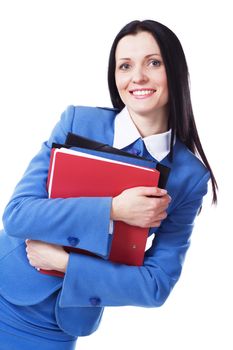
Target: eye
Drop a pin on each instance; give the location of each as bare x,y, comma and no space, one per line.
124,66
155,63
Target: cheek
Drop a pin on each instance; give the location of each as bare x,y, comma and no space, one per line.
162,94
164,85
162,79
121,82
166,90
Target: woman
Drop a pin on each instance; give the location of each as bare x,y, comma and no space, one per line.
148,83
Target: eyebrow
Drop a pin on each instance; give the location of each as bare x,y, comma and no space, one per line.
147,56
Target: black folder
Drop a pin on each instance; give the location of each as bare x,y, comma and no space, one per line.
74,140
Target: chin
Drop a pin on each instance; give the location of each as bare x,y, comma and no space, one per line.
143,110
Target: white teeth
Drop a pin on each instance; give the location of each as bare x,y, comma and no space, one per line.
142,92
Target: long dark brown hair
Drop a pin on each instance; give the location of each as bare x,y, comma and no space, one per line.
181,118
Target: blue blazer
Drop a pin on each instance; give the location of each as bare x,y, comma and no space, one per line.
90,283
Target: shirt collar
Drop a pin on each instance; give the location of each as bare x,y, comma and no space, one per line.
125,133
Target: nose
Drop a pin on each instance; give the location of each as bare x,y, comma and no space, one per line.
139,76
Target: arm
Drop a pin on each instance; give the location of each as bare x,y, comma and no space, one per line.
30,214
134,206
90,281
78,222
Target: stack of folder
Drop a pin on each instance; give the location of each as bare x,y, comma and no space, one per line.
86,168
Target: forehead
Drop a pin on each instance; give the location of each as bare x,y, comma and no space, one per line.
142,43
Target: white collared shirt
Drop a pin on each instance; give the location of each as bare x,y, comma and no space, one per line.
126,133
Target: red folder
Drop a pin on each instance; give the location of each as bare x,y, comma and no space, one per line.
79,174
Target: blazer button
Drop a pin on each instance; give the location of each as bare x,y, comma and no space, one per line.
73,241
95,301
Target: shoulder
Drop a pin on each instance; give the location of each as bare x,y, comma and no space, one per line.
189,176
187,162
74,114
85,111
92,122
94,112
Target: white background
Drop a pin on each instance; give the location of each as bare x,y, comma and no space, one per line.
54,53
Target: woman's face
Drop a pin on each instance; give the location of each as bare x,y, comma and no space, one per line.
140,75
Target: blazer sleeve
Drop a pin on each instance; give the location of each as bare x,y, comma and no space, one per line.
93,282
78,222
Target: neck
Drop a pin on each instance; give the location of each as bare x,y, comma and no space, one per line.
148,124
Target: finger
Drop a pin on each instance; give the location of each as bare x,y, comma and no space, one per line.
162,202
156,223
31,262
166,199
157,205
169,198
161,216
151,191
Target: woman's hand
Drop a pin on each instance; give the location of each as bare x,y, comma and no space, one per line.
141,206
46,256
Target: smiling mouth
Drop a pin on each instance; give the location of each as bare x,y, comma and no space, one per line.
143,92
